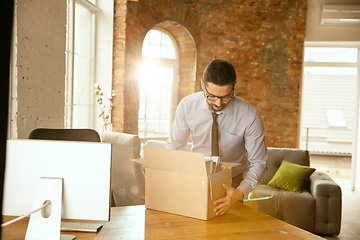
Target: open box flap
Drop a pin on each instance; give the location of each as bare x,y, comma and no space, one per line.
138,160
174,160
230,165
216,189
216,180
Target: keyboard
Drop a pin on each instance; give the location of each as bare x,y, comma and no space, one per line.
80,227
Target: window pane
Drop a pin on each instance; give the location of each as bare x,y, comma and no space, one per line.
166,40
145,50
323,54
158,44
335,118
154,51
81,116
83,29
330,71
79,93
327,90
155,37
147,38
327,111
155,101
82,80
167,52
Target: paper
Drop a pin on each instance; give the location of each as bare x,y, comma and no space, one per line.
215,163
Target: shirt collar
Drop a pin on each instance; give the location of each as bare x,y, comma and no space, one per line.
204,103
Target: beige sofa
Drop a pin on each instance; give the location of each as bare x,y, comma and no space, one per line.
127,178
317,209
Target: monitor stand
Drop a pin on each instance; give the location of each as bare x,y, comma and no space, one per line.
45,224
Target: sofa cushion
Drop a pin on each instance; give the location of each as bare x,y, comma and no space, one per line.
276,155
291,176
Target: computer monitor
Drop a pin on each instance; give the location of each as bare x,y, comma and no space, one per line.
85,168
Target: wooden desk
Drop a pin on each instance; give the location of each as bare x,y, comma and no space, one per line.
136,222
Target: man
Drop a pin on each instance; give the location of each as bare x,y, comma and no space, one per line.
240,130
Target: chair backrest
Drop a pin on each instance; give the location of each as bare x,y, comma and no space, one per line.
83,134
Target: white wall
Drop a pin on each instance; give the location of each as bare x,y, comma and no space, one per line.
346,36
38,64
317,32
38,71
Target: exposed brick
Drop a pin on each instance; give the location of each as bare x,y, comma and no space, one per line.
263,39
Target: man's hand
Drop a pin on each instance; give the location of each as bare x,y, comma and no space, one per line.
232,196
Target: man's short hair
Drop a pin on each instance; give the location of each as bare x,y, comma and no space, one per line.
220,72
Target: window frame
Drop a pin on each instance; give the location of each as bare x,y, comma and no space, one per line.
333,64
163,31
70,61
355,152
331,45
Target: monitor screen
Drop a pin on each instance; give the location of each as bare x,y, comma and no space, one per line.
84,167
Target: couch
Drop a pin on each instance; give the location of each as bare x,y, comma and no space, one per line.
127,178
316,209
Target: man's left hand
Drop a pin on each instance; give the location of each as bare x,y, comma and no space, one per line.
232,196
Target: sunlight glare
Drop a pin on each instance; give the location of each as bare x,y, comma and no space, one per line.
148,75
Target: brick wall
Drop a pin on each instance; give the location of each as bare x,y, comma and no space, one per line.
38,84
263,39
118,81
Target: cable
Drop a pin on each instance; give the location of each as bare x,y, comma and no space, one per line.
25,215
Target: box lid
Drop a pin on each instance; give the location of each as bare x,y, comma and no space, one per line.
174,160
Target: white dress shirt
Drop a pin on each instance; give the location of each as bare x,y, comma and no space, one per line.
241,131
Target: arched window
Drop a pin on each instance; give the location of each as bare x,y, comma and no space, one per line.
158,84
158,44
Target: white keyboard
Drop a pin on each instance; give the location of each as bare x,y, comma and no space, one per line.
80,227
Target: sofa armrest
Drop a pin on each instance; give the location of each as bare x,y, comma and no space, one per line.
327,194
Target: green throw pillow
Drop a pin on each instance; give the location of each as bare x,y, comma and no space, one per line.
291,176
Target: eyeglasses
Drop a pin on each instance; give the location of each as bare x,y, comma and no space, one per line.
213,98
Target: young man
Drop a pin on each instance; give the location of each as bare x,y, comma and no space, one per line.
240,131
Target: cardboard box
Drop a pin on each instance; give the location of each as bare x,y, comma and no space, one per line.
179,182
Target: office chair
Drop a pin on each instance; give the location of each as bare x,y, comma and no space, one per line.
83,134
80,134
